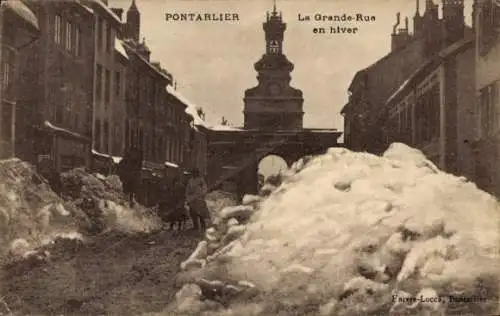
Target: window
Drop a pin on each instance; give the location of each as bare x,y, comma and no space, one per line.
97,135
107,90
99,32
489,120
104,34
58,29
127,134
117,83
98,81
106,136
68,36
109,41
6,78
78,45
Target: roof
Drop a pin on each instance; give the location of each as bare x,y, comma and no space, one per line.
120,49
52,127
132,49
379,61
448,51
171,164
102,5
22,11
225,128
86,8
190,107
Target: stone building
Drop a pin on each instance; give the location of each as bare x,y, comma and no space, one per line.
191,151
372,86
433,110
487,51
273,103
56,94
106,103
18,30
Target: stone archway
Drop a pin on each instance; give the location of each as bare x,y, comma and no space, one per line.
272,164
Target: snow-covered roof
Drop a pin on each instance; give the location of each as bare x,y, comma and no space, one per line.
62,130
132,48
108,10
22,11
171,164
190,107
95,152
115,159
87,8
119,48
401,88
225,128
442,54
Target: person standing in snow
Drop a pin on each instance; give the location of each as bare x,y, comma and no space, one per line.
172,200
129,171
195,198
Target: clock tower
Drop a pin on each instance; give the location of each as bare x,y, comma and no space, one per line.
273,103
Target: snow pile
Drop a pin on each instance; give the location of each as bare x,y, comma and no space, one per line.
31,214
351,234
101,198
218,200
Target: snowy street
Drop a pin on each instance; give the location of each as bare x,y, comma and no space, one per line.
342,233
112,275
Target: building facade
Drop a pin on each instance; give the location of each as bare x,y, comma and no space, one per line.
434,109
371,87
57,87
487,51
87,90
19,29
106,103
273,103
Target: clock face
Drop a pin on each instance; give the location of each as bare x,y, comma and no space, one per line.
274,88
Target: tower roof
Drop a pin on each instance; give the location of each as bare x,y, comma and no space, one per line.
133,7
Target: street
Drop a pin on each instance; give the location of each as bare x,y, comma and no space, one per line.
112,275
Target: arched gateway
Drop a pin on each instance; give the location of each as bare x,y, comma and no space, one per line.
273,121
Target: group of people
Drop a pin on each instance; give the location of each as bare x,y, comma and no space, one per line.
180,197
183,197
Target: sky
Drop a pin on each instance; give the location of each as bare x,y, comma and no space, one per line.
212,62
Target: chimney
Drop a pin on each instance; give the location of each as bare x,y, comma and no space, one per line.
400,37
104,1
417,21
118,12
453,21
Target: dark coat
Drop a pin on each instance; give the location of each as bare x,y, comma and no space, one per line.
129,170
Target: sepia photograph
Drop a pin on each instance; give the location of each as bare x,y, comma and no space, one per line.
249,158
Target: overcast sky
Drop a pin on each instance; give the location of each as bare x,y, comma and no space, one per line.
213,62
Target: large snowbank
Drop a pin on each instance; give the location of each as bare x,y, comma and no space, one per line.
350,234
31,214
102,199
33,217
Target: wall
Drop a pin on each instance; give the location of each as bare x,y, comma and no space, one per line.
372,89
487,149
105,66
58,87
466,113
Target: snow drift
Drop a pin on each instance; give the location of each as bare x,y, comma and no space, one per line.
102,199
32,216
351,234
